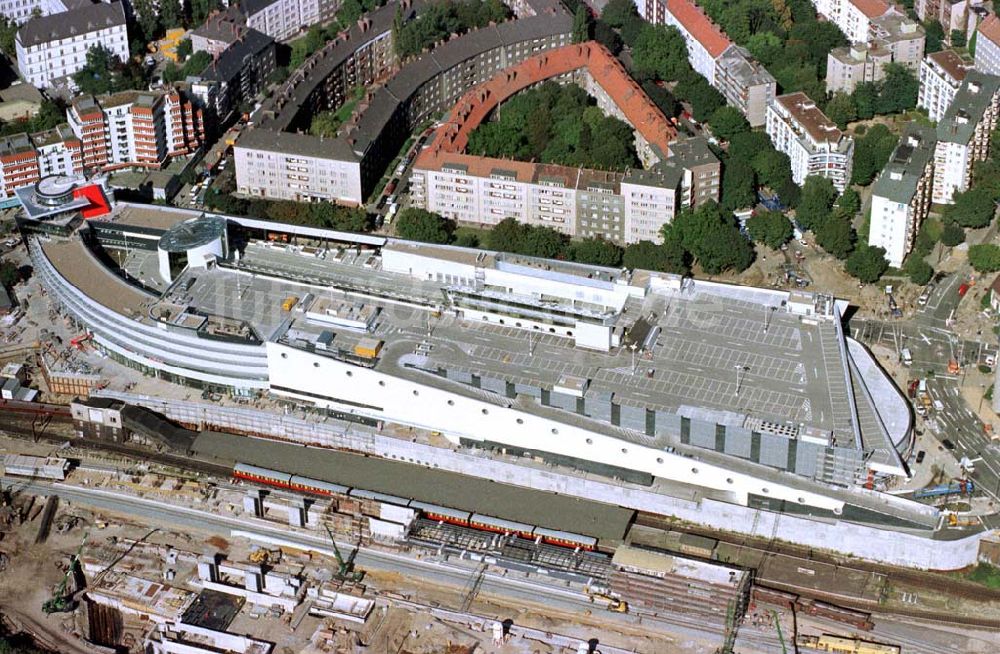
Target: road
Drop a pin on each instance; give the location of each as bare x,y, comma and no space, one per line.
513,587
932,343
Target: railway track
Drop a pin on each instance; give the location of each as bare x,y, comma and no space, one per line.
41,422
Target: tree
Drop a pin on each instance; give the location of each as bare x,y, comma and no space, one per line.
581,24
184,49
466,240
957,39
660,51
712,237
596,251
871,153
817,199
849,202
867,263
898,91
8,35
668,257
703,97
841,109
737,185
662,98
836,236
617,13
865,99
918,270
726,122
952,235
170,13
772,228
971,209
146,19
9,274
985,258
200,9
934,36
608,37
421,225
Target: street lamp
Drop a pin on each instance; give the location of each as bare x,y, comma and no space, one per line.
739,368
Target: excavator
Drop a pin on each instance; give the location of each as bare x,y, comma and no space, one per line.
61,601
345,568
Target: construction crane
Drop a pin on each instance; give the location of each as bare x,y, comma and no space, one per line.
61,601
345,568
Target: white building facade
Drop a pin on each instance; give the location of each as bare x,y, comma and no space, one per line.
51,48
964,134
988,46
941,75
812,141
853,17
901,196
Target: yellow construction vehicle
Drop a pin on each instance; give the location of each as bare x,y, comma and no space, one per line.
614,604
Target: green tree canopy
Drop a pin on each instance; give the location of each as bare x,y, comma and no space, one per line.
849,202
511,236
952,235
898,90
934,36
985,258
704,98
436,21
918,270
668,257
841,109
420,225
817,199
9,274
726,122
836,236
712,237
596,251
772,228
582,24
871,153
867,263
971,209
617,13
661,51
738,185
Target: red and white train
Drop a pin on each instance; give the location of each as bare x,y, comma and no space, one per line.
434,512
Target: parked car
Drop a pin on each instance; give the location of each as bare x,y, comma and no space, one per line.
948,444
920,456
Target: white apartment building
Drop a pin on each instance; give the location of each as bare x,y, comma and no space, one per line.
19,11
810,139
963,134
283,19
290,166
143,129
988,46
27,158
893,39
51,48
901,196
731,69
853,17
941,74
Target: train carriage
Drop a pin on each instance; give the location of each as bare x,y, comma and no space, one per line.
379,497
442,513
566,539
489,523
317,487
262,475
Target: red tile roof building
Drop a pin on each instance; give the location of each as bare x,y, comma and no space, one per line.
988,46
745,83
618,206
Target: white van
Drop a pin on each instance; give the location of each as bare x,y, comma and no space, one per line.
906,357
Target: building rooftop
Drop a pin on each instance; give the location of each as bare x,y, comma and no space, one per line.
744,68
990,29
220,27
954,65
69,24
810,118
871,8
898,180
700,26
973,98
231,62
293,143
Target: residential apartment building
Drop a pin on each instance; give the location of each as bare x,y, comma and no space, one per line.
853,17
901,196
18,11
731,69
135,129
27,158
51,48
941,74
235,76
217,33
283,19
299,167
963,134
620,207
812,141
988,46
893,39
952,14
